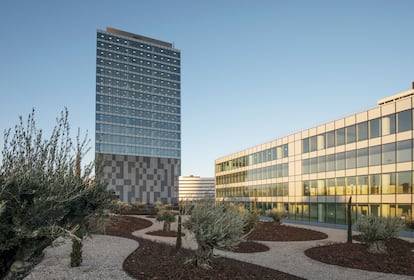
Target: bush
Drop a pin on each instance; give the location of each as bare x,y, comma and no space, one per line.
123,207
167,216
252,219
375,230
276,214
409,223
43,193
214,225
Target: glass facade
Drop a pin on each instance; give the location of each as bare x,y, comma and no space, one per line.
138,116
368,156
137,96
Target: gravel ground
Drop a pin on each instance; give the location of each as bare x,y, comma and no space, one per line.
103,256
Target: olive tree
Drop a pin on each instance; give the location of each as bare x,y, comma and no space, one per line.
376,230
44,193
214,225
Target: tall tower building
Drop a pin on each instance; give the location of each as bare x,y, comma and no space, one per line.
138,116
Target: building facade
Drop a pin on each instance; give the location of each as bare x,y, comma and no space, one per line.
195,187
138,116
313,173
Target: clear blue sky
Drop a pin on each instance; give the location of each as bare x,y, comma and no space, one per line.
252,71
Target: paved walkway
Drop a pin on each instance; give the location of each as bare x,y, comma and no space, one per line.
288,257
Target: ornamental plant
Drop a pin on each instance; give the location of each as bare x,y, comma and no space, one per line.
376,230
214,225
165,214
44,193
276,214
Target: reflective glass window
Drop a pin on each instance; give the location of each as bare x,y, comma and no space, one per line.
388,182
340,186
321,141
340,213
313,145
362,131
306,188
330,213
321,164
340,136
374,128
313,188
375,155
362,157
351,185
321,187
313,212
388,153
404,182
330,139
330,162
404,121
351,159
388,124
285,150
374,183
350,134
313,164
330,186
340,161
362,184
404,151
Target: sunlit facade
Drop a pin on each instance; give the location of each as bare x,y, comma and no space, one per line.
195,188
138,116
312,174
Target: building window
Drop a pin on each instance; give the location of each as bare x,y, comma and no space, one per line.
340,186
321,187
388,182
321,164
374,183
330,186
362,131
404,182
351,185
330,139
362,184
374,128
388,124
350,134
313,145
306,190
351,159
374,155
404,151
330,162
404,121
362,157
321,141
340,161
340,136
388,153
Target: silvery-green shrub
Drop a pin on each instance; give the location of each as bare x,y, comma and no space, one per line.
375,230
214,225
43,191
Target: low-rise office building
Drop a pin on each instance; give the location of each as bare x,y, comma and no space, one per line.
195,187
312,173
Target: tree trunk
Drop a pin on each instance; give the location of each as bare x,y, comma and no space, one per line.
76,255
166,226
378,247
349,212
178,242
203,256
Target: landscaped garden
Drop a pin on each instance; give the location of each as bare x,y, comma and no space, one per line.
154,260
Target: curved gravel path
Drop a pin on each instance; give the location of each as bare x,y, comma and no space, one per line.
103,256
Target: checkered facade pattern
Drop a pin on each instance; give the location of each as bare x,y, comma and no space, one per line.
140,178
